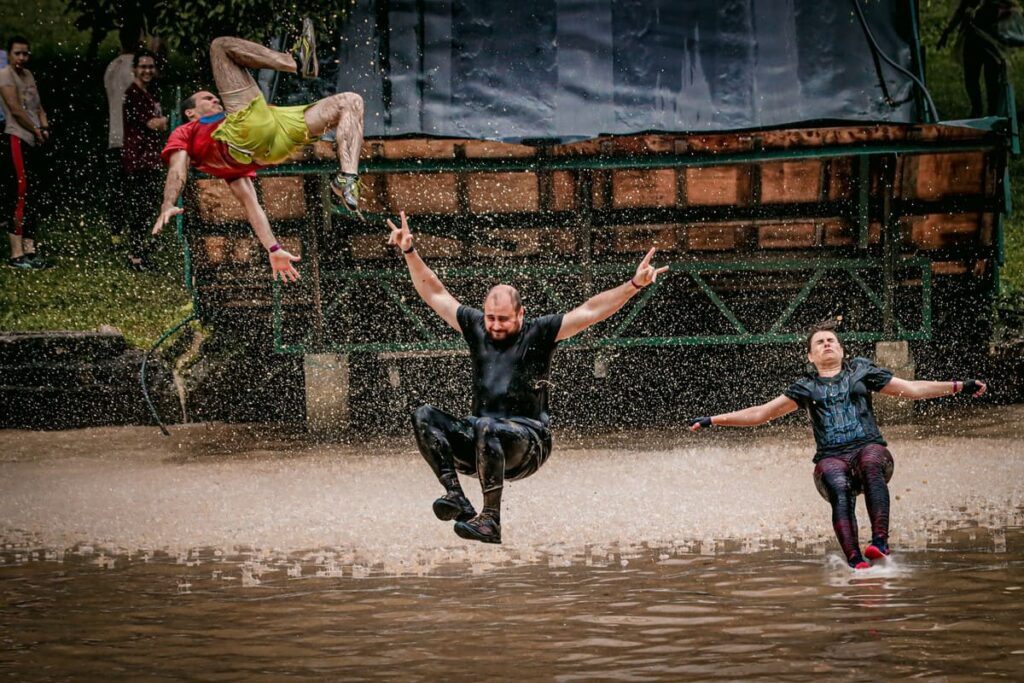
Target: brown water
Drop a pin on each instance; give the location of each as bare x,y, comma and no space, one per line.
226,554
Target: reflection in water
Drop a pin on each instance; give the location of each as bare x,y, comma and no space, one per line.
610,612
637,557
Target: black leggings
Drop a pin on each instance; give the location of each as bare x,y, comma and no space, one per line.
980,56
141,196
493,449
841,478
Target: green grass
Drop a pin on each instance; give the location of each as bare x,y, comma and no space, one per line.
91,286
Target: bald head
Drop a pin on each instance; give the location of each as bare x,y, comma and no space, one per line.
503,312
501,295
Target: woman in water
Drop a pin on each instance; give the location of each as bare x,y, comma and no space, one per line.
851,454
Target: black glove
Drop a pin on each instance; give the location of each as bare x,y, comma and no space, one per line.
971,387
705,422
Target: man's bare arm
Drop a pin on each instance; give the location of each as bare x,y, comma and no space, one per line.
280,260
752,416
604,305
177,173
921,389
426,282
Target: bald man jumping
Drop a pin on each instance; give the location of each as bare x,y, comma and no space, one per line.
507,435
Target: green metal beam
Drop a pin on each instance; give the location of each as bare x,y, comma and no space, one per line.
791,308
456,344
410,314
638,306
548,163
719,303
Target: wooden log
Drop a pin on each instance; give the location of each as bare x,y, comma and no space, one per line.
718,185
216,203
643,188
791,181
423,192
943,175
937,231
786,235
502,192
283,197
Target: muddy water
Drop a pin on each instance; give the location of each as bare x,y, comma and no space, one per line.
243,554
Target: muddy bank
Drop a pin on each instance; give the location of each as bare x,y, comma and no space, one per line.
228,486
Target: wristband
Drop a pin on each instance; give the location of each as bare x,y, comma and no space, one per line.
412,248
634,284
274,247
956,387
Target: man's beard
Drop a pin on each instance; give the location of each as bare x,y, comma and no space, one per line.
509,336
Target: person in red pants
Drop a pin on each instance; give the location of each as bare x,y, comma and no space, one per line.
851,457
26,130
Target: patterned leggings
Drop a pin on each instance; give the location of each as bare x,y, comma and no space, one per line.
841,478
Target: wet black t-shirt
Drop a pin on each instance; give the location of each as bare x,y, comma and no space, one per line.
840,406
510,377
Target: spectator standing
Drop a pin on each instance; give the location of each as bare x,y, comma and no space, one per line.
144,126
116,79
3,63
26,130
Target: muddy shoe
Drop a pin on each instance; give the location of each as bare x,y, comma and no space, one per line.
304,51
877,550
348,188
484,528
454,505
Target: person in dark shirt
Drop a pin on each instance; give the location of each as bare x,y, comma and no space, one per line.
507,434
851,457
144,125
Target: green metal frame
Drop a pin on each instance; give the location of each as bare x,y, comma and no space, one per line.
615,337
863,209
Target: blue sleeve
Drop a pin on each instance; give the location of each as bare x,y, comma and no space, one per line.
798,392
874,377
470,320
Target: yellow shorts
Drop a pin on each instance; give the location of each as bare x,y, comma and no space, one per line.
264,133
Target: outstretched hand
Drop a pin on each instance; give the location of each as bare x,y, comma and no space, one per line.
401,237
699,422
165,216
281,265
974,387
645,272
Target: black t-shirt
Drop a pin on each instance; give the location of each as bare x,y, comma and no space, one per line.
510,377
840,406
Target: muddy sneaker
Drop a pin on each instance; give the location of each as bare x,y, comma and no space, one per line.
37,261
454,505
20,263
862,565
347,187
877,550
304,51
485,528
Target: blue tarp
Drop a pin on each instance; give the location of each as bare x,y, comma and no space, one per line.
569,69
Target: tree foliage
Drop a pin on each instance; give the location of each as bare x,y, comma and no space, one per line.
189,25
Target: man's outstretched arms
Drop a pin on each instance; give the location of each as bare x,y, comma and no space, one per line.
426,282
604,305
244,191
919,389
749,417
